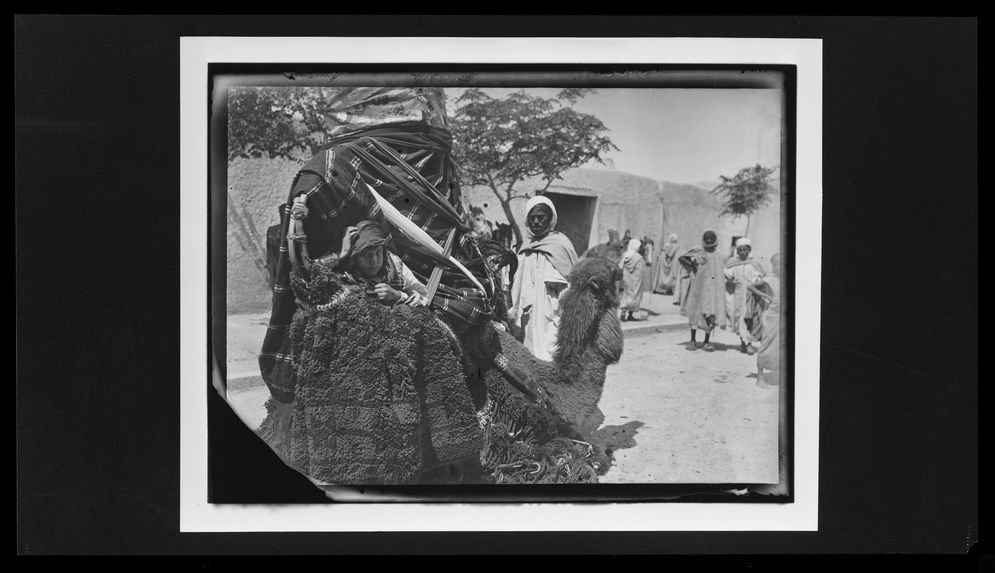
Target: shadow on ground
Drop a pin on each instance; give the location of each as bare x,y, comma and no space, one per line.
719,347
614,438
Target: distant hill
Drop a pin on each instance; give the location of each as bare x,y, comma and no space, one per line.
708,185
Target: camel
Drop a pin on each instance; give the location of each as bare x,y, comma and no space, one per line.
589,339
383,397
570,386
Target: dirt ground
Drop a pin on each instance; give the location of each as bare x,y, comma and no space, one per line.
677,416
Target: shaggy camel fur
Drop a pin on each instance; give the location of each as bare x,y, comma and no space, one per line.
588,340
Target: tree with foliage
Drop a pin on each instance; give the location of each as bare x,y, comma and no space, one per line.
276,121
746,192
501,143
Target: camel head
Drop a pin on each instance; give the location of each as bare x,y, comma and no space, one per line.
588,321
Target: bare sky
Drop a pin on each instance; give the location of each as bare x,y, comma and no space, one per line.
684,135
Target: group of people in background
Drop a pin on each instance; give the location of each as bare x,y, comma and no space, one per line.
734,293
635,258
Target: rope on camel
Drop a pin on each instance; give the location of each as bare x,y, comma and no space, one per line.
521,447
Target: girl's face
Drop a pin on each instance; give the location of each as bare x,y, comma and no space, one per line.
743,251
370,261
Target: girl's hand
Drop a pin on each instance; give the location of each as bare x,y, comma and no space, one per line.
347,239
386,293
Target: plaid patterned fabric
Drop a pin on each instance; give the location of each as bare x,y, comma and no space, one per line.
408,164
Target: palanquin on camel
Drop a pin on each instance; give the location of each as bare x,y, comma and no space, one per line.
365,393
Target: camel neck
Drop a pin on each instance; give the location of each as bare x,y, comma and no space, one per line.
581,366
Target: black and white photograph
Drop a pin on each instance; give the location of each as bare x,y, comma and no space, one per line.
486,277
594,273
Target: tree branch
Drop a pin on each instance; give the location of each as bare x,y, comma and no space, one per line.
490,180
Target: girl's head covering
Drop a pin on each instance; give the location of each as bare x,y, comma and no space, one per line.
371,234
633,246
709,238
672,238
743,242
541,200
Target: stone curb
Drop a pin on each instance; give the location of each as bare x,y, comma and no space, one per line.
242,381
653,328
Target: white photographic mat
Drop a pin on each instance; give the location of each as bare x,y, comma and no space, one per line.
798,515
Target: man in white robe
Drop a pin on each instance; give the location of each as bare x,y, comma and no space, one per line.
544,263
740,271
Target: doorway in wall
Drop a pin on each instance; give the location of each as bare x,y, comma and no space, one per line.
574,217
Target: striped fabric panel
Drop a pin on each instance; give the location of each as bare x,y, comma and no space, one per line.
336,194
329,163
311,191
277,356
421,164
429,222
333,213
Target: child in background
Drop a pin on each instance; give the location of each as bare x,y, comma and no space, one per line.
768,290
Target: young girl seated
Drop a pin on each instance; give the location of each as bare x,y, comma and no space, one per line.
382,272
